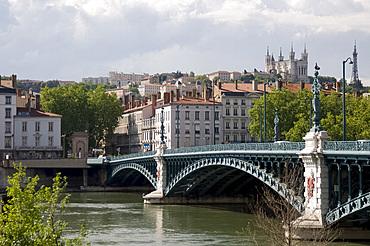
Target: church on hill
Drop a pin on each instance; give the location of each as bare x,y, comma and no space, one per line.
294,70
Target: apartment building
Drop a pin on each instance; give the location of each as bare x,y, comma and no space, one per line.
7,111
26,131
189,122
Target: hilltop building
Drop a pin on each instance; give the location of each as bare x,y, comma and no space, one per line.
293,70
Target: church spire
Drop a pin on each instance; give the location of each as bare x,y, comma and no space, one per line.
268,52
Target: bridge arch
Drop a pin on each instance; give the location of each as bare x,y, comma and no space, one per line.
133,166
244,166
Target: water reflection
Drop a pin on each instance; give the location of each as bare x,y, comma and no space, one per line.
123,219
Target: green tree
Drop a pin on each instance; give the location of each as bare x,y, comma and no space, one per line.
32,216
290,108
247,78
82,109
105,110
191,74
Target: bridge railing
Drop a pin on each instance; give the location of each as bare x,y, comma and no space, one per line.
359,145
283,146
139,154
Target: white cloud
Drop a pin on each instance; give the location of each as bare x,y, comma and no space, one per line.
76,38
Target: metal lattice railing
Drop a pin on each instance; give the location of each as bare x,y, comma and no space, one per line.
360,145
139,154
279,146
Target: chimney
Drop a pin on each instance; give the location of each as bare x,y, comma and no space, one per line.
166,98
132,101
219,84
158,95
154,103
38,105
254,85
236,84
145,100
172,96
125,101
301,84
177,94
19,92
14,81
27,99
337,86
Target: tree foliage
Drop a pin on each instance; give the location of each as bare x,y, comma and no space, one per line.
294,115
94,111
32,216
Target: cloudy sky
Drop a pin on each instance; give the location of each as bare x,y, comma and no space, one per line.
72,39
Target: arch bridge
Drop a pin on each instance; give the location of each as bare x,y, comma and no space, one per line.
333,185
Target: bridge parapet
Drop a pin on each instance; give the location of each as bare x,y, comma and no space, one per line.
360,145
282,146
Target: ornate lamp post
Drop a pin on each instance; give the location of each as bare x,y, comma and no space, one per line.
264,105
316,88
260,124
178,127
162,127
276,121
344,97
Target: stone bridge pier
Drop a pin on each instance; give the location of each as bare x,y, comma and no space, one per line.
316,181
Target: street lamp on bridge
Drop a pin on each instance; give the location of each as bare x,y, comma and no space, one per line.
344,96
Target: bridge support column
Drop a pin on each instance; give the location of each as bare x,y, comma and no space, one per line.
158,195
316,181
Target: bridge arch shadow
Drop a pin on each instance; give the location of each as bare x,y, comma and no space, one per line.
131,174
231,176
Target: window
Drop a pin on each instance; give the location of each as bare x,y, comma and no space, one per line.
235,125
243,101
207,115
51,126
243,125
206,131
187,131
227,125
235,138
235,101
8,142
24,141
50,142
242,138
37,126
8,113
8,127
235,111
24,126
217,115
37,141
227,111
8,99
197,115
187,115
243,112
227,101
227,138
217,130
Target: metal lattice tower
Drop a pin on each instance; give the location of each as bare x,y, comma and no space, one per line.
355,82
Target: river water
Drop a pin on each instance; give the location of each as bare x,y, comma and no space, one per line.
115,218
